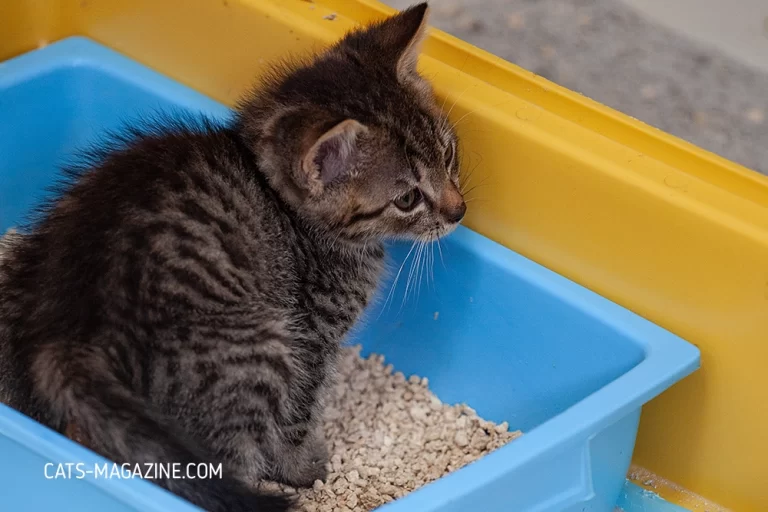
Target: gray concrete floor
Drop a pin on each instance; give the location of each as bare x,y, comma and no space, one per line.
739,28
615,55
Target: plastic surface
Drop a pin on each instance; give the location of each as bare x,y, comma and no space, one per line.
667,230
636,499
493,329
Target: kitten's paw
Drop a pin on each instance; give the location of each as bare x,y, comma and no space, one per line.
306,480
318,465
320,455
230,496
308,468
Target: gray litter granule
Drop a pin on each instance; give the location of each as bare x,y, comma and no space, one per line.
388,436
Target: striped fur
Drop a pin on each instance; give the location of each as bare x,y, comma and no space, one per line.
183,297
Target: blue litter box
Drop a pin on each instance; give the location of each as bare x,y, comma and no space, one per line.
492,329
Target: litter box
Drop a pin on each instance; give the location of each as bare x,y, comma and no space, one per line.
490,328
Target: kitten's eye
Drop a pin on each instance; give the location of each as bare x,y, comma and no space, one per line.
449,154
409,200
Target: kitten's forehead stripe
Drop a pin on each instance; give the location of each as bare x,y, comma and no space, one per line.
414,168
367,215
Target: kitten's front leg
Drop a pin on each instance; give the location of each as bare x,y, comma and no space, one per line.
304,458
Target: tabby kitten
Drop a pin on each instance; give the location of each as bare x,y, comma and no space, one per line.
184,298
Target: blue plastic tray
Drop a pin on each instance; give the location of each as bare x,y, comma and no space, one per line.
492,329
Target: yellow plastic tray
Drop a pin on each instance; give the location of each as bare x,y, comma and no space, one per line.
669,231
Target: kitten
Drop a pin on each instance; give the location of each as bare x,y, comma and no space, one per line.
183,299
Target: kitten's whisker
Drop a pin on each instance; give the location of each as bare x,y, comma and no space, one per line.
431,242
423,270
448,114
432,259
482,199
478,185
475,188
414,265
446,119
456,124
440,250
412,274
417,275
468,178
397,277
420,274
420,271
442,107
428,250
480,156
471,112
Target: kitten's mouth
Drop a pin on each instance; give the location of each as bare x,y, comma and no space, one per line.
444,230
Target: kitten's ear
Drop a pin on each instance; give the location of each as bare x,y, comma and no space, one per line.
408,32
396,40
331,155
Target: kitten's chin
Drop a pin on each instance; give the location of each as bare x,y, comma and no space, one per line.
358,244
445,230
427,236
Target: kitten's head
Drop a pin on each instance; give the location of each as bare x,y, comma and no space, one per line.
355,141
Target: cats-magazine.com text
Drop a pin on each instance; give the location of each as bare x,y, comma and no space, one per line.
147,471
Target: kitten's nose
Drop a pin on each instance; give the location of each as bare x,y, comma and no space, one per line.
456,214
452,205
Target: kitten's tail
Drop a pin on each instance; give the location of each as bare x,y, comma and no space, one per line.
119,425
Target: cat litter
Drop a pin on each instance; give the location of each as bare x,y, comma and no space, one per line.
388,436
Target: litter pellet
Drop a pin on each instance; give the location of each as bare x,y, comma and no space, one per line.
388,435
